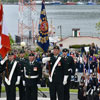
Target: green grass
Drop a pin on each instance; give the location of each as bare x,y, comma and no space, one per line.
44,89
47,89
74,90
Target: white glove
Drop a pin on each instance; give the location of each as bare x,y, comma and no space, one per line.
46,59
3,61
94,88
7,81
70,69
65,79
76,70
24,83
50,79
87,93
91,92
18,80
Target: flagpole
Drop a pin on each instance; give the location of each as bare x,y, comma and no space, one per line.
7,70
43,0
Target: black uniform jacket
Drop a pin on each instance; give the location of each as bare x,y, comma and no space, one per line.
59,71
33,69
70,66
7,67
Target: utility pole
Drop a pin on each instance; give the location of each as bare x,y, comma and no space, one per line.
60,27
26,20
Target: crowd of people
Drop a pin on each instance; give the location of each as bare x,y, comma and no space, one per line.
27,68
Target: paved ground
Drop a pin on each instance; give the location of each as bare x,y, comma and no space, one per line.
18,99
73,96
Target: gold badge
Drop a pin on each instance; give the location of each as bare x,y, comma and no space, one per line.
59,63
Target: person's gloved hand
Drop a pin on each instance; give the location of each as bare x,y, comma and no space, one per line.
3,61
65,80
50,79
18,80
45,60
23,83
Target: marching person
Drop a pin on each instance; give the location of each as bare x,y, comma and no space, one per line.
0,79
70,71
33,74
82,89
57,74
0,83
21,84
10,67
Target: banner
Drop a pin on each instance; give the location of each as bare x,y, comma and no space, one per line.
43,39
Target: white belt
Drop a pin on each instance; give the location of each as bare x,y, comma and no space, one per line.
27,76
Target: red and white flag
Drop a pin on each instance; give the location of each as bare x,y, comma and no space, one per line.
1,17
4,37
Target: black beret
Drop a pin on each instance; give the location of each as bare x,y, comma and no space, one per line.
56,47
65,50
22,51
10,53
31,54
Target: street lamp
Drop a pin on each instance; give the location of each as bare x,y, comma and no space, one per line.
23,44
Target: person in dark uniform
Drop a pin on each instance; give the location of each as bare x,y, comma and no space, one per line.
70,71
21,84
90,90
33,73
81,89
0,84
0,78
10,67
57,74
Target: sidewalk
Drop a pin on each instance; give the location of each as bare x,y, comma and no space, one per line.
38,99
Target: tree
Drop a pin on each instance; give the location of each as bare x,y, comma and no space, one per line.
11,39
98,26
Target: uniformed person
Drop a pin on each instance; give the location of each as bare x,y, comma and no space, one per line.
0,84
32,72
10,67
81,89
0,80
21,84
57,74
90,90
70,71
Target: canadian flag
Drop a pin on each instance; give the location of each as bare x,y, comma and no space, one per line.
4,37
1,17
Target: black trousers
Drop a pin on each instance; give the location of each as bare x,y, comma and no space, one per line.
10,92
21,91
66,92
56,89
31,92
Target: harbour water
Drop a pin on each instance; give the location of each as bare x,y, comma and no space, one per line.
84,17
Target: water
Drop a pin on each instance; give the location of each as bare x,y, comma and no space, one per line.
84,17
